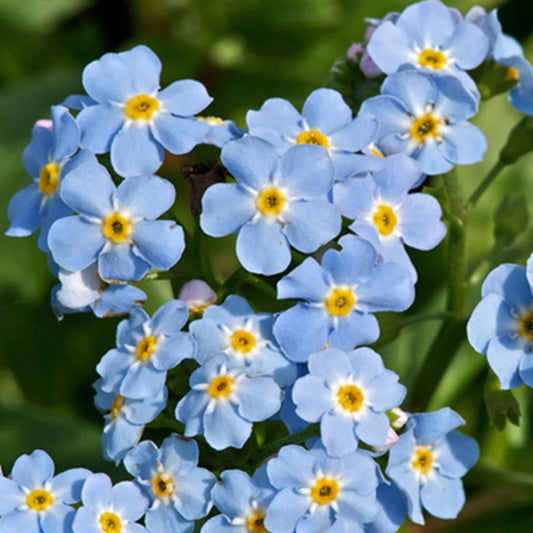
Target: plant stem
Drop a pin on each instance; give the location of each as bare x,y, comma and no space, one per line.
242,277
452,331
483,186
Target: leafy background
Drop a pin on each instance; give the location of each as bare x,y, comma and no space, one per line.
244,51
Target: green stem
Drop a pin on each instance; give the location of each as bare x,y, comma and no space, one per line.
483,186
296,438
242,277
452,331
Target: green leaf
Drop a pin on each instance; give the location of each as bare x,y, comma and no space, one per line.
510,219
501,404
519,142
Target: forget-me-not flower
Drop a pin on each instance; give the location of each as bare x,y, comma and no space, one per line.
48,157
426,118
110,509
339,296
428,462
326,121
179,491
146,350
224,401
33,500
275,204
349,394
321,493
116,226
132,118
244,337
501,325
386,215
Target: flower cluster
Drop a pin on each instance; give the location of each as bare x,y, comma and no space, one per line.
325,201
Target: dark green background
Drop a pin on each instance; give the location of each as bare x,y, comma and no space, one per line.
244,51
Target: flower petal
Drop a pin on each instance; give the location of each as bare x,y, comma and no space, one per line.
185,97
179,135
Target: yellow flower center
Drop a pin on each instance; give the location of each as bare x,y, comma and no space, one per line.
118,404
270,201
422,459
324,491
220,387
350,398
39,500
525,325
432,58
145,348
163,485
212,121
49,178
243,341
116,228
385,219
425,126
110,523
141,107
256,522
512,74
340,302
312,137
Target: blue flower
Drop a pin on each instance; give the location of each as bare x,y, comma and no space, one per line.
244,337
326,121
146,349
107,508
242,501
83,291
428,462
501,325
116,226
349,394
321,493
386,215
428,37
221,132
179,491
125,419
48,157
132,118
224,401
340,296
425,118
276,203
34,501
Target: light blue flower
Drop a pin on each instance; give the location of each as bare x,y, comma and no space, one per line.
107,508
428,462
339,298
132,118
224,401
428,37
501,325
221,132
276,203
146,350
425,118
326,121
321,493
386,215
125,419
48,157
349,394
242,501
179,491
32,500
244,337
116,226
84,291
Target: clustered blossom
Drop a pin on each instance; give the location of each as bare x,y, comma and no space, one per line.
293,177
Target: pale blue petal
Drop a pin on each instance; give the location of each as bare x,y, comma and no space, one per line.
468,46
326,111
457,454
221,524
373,429
443,497
129,500
173,351
165,518
412,88
353,197
118,300
398,175
20,521
510,282
107,79
135,152
404,477
316,522
12,495
66,133
96,492
23,211
306,281
68,484
454,101
436,158
526,369
178,135
276,115
503,356
262,247
312,398
178,455
58,518
384,392
144,69
224,427
259,398
142,381
146,197
469,142
338,436
119,263
356,507
225,208
185,97
431,426
353,330
195,494
141,461
390,47
285,510
356,135
390,113
98,125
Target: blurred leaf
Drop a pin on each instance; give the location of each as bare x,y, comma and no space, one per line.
519,142
510,219
501,404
